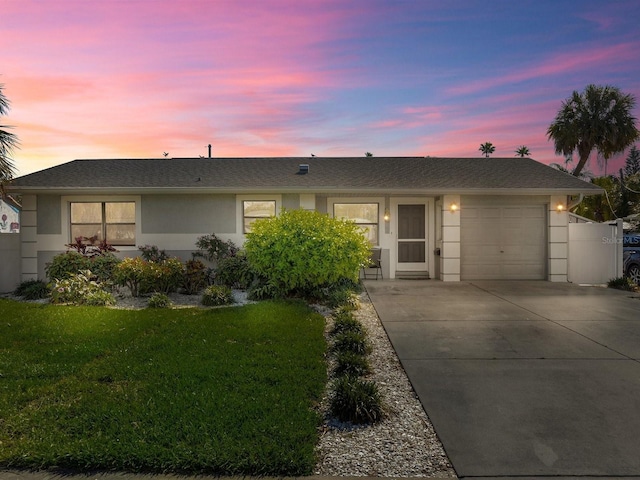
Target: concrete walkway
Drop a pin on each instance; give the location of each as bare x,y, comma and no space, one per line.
522,379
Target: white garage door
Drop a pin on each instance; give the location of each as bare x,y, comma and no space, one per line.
503,242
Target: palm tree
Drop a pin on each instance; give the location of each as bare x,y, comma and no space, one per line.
487,148
522,152
8,141
632,164
597,119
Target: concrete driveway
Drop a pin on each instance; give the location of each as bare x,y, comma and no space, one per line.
522,378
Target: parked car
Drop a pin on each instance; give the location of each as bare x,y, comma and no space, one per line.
631,257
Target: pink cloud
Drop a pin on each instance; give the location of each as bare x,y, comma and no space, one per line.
563,63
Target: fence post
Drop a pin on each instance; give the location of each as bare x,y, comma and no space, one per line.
619,248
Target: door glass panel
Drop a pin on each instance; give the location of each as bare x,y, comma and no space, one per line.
411,252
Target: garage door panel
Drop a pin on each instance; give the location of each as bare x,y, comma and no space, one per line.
506,242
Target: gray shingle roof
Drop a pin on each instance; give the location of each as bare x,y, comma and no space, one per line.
358,174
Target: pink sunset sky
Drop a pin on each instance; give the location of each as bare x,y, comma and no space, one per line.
137,78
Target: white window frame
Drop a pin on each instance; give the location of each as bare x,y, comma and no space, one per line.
240,199
361,200
66,202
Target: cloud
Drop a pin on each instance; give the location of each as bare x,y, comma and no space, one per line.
589,58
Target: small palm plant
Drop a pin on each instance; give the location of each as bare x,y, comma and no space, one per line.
487,149
523,152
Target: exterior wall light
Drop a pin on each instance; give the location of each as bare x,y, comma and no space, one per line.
559,208
387,216
453,208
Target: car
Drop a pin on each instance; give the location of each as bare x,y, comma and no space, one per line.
631,257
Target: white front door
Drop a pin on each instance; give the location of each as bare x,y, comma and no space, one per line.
412,236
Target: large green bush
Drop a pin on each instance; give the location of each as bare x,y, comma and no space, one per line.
302,250
70,263
64,265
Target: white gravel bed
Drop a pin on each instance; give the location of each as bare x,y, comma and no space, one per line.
404,443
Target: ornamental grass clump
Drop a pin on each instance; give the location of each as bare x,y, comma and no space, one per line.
357,401
346,323
350,341
217,295
351,364
159,300
32,290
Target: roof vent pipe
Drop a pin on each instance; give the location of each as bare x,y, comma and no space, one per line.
303,169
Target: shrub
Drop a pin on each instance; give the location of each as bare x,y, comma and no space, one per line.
302,250
622,283
134,273
342,296
215,295
102,266
152,253
66,264
356,401
90,246
142,276
351,341
195,277
346,323
32,290
351,364
79,289
214,249
234,272
159,300
263,289
167,276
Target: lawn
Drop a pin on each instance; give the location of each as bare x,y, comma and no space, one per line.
226,391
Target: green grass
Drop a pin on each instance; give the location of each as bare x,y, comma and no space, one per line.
225,391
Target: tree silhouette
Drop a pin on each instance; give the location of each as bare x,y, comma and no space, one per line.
8,141
487,149
632,164
522,152
597,119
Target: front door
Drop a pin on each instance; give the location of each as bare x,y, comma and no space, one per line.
412,237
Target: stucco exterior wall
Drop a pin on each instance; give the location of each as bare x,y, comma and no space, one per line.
10,275
180,214
49,213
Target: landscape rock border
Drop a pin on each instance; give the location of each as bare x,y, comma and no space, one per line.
404,443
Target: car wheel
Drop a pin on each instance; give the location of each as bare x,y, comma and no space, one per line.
634,274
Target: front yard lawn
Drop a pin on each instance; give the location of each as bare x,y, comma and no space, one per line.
228,391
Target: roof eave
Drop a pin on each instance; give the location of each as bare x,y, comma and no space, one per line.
306,189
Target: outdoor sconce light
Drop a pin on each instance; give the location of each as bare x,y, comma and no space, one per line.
387,216
559,208
453,208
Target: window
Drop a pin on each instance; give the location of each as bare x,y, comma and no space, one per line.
364,214
254,210
114,222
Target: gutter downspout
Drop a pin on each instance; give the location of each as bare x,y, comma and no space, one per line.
575,203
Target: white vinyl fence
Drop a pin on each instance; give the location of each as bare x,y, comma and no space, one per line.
595,252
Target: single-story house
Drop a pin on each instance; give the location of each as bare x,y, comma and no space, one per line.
446,218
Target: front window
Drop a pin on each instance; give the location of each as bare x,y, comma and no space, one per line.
364,215
254,210
114,222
